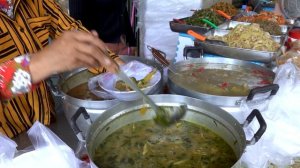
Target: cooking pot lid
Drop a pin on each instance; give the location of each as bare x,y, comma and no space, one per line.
290,8
222,79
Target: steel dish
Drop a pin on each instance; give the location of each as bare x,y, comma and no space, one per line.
216,63
199,112
239,53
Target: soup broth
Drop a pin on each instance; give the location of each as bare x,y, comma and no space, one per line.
222,82
82,92
145,145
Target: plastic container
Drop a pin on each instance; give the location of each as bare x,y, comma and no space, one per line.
294,35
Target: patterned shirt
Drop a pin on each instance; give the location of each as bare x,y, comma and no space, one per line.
26,28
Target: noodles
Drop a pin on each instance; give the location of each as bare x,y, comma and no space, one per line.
249,37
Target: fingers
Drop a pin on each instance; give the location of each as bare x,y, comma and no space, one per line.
85,49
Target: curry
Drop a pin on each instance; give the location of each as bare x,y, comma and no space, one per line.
144,144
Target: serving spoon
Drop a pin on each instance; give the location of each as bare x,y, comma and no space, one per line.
165,116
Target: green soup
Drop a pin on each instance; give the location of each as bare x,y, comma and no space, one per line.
146,145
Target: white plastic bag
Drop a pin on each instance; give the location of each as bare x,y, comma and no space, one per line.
135,69
49,151
280,143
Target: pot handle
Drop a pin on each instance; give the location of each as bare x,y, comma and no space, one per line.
272,87
74,118
192,52
262,126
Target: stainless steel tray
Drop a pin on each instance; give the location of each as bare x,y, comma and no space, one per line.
239,53
233,24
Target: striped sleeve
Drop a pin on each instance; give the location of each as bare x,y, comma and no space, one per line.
60,21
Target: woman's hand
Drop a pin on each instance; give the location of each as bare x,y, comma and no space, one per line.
72,50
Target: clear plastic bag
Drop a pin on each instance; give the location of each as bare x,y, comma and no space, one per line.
136,69
49,151
280,143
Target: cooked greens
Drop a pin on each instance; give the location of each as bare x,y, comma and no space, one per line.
144,144
208,14
122,86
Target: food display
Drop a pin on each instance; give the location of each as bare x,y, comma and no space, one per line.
122,86
209,14
225,7
183,145
293,53
249,37
269,26
264,16
223,82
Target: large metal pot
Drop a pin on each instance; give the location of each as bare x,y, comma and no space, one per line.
94,108
199,112
219,63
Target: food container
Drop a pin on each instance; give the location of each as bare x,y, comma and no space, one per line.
183,28
199,113
232,24
94,107
238,53
198,78
293,35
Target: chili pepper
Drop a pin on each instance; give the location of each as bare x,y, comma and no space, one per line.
224,85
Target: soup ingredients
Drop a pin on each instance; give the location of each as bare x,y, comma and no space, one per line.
183,145
265,16
234,81
209,14
225,7
122,86
249,37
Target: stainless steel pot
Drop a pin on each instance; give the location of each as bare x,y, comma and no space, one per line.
199,112
219,63
94,108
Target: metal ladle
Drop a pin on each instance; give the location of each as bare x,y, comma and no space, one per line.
164,116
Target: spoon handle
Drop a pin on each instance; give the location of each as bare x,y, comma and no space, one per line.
127,80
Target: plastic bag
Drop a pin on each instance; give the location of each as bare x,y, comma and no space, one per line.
280,143
49,151
135,69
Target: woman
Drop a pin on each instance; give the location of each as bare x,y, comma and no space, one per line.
26,59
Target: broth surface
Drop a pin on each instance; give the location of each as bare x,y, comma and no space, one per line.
145,145
82,92
222,82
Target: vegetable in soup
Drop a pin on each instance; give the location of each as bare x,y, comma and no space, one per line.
145,145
